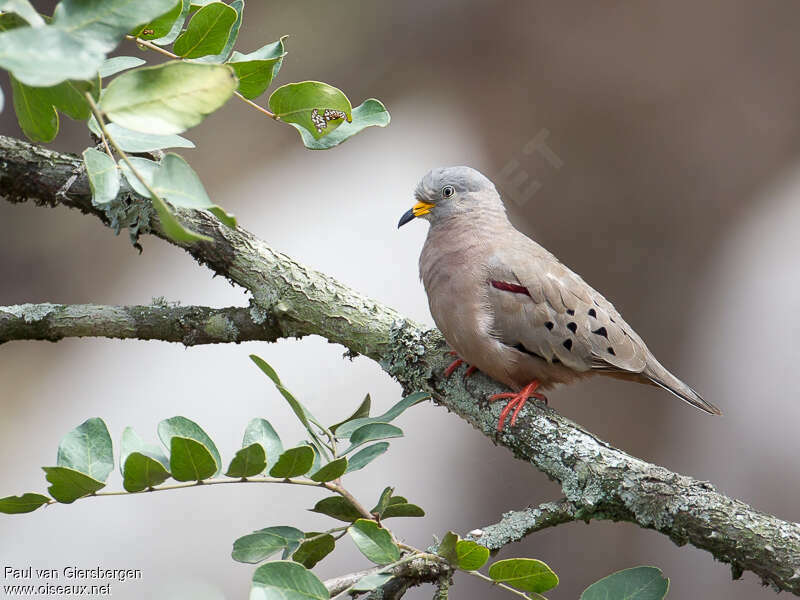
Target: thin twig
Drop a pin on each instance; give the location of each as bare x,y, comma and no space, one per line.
155,48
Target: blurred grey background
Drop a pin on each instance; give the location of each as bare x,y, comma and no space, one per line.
669,177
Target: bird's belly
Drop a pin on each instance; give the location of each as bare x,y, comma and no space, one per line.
461,314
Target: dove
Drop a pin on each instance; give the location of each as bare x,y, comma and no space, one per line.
511,309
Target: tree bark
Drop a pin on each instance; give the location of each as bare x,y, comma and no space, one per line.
187,325
598,480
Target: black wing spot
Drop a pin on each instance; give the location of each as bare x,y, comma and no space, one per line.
602,331
592,313
549,325
555,361
568,345
611,351
573,327
612,319
570,312
524,350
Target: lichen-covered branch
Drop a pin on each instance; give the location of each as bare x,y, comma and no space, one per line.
516,524
187,325
404,576
597,479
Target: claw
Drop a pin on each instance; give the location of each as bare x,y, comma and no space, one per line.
516,402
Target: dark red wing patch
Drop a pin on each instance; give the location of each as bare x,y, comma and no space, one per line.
510,287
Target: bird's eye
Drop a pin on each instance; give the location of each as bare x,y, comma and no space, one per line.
448,191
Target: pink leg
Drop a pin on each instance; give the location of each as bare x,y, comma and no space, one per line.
516,402
453,366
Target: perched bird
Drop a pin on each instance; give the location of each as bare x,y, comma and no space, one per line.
509,308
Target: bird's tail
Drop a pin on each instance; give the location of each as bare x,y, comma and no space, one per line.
656,373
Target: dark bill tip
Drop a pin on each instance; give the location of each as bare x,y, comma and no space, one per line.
407,216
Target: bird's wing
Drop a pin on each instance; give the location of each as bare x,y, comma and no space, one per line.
543,308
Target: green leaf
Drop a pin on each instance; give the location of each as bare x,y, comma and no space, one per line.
293,462
260,431
189,460
117,64
37,117
371,582
103,175
383,501
471,555
262,544
371,432
370,113
361,412
347,429
637,583
161,26
333,470
104,23
87,449
207,32
337,507
142,472
46,56
183,427
362,458
233,34
300,411
447,548
74,46
25,10
317,463
314,550
249,461
167,98
70,97
177,183
136,141
143,465
256,70
145,167
177,26
295,103
173,228
402,509
374,542
15,505
526,574
68,484
286,580
131,443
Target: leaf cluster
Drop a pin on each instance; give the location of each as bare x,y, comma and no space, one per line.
60,64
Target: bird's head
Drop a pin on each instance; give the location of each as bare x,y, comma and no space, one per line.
453,191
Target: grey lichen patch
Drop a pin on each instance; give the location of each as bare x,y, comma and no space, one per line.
258,313
221,327
32,313
129,211
162,302
405,352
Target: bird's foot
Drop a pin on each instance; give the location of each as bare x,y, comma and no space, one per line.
457,363
516,401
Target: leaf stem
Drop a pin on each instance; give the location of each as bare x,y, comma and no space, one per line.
160,50
334,487
99,117
503,585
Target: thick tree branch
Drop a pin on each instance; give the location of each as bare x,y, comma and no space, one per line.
188,325
598,479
